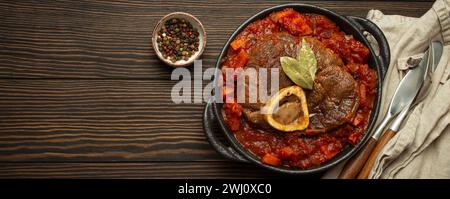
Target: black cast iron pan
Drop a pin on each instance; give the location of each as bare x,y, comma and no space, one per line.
214,124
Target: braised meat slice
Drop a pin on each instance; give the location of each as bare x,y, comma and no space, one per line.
334,99
325,57
265,54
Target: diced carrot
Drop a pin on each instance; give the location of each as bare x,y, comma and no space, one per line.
362,95
271,160
294,22
238,43
297,20
240,59
286,152
358,119
354,138
296,25
276,16
329,150
305,30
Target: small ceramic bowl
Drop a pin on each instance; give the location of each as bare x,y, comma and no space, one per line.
196,24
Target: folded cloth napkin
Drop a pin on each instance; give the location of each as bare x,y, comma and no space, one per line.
421,148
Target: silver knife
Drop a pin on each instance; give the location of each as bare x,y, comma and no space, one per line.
435,54
406,92
404,95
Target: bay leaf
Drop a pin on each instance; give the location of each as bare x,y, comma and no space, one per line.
302,70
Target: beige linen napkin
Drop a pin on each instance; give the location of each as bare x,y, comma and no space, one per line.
421,148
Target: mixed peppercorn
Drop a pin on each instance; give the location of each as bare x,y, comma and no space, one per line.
177,40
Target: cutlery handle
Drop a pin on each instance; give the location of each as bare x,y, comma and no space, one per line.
364,174
356,163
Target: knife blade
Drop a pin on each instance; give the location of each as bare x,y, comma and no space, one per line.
436,49
405,93
403,96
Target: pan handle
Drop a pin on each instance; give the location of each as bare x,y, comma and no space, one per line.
209,120
385,54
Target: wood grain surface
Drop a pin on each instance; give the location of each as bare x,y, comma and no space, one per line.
82,93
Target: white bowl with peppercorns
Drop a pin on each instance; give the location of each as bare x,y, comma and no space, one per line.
178,39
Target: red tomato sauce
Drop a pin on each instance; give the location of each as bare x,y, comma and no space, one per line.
296,150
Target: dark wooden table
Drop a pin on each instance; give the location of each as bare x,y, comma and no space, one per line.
82,93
